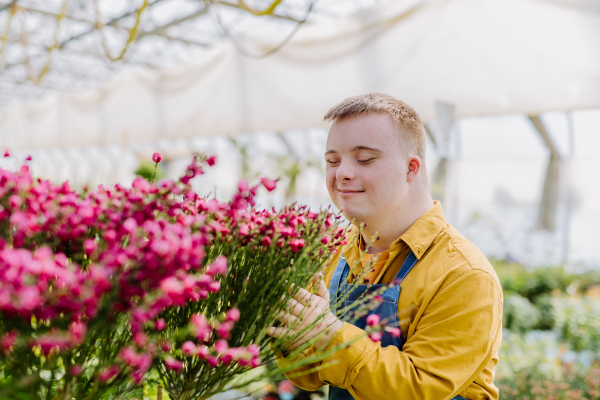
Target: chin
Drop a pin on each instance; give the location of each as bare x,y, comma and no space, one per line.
354,215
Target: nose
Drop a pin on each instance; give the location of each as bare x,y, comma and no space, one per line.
345,172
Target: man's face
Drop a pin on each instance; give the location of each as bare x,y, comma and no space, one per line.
366,167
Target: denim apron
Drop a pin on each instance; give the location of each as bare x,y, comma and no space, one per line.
387,309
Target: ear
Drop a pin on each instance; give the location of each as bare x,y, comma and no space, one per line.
414,167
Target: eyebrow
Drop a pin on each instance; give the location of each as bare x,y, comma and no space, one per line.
356,148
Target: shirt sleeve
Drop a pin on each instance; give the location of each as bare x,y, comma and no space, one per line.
445,352
300,377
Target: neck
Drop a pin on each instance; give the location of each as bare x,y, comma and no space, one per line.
387,229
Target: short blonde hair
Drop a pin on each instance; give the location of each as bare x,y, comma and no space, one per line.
411,129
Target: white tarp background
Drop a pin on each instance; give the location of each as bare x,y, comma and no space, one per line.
485,56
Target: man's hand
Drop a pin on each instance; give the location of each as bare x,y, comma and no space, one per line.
304,309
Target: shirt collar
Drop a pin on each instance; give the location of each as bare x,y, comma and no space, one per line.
422,233
418,237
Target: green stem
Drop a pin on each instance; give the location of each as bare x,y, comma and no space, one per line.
154,175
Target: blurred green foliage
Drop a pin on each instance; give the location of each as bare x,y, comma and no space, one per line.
532,283
551,341
146,171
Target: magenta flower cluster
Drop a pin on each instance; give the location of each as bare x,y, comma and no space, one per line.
74,262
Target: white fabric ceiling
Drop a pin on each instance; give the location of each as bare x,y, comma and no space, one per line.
485,56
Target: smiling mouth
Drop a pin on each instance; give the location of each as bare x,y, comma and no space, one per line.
348,192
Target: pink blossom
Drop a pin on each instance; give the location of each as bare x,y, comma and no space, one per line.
8,341
373,319
224,328
52,341
77,331
173,364
171,286
140,339
221,346
156,157
243,186
107,373
129,356
76,370
269,184
28,158
89,246
218,267
160,324
254,350
129,225
15,201
297,244
200,328
188,349
211,160
233,315
325,240
165,346
394,332
214,287
212,361
375,336
6,153
202,351
255,362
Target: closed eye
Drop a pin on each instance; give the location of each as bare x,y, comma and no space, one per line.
366,161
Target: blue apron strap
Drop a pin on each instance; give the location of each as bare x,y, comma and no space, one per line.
338,277
408,264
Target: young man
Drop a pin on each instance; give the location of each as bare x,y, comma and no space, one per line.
448,303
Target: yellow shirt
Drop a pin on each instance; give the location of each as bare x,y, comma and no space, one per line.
450,311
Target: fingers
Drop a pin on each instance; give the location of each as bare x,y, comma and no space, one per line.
303,296
316,279
295,308
322,290
287,318
278,332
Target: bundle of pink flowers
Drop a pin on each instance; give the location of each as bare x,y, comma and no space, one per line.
98,287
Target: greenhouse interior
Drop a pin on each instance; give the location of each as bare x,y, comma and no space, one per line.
164,184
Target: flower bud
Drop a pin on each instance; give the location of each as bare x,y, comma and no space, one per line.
373,319
376,336
269,184
394,332
212,160
156,157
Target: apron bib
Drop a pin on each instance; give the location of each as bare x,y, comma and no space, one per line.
387,309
